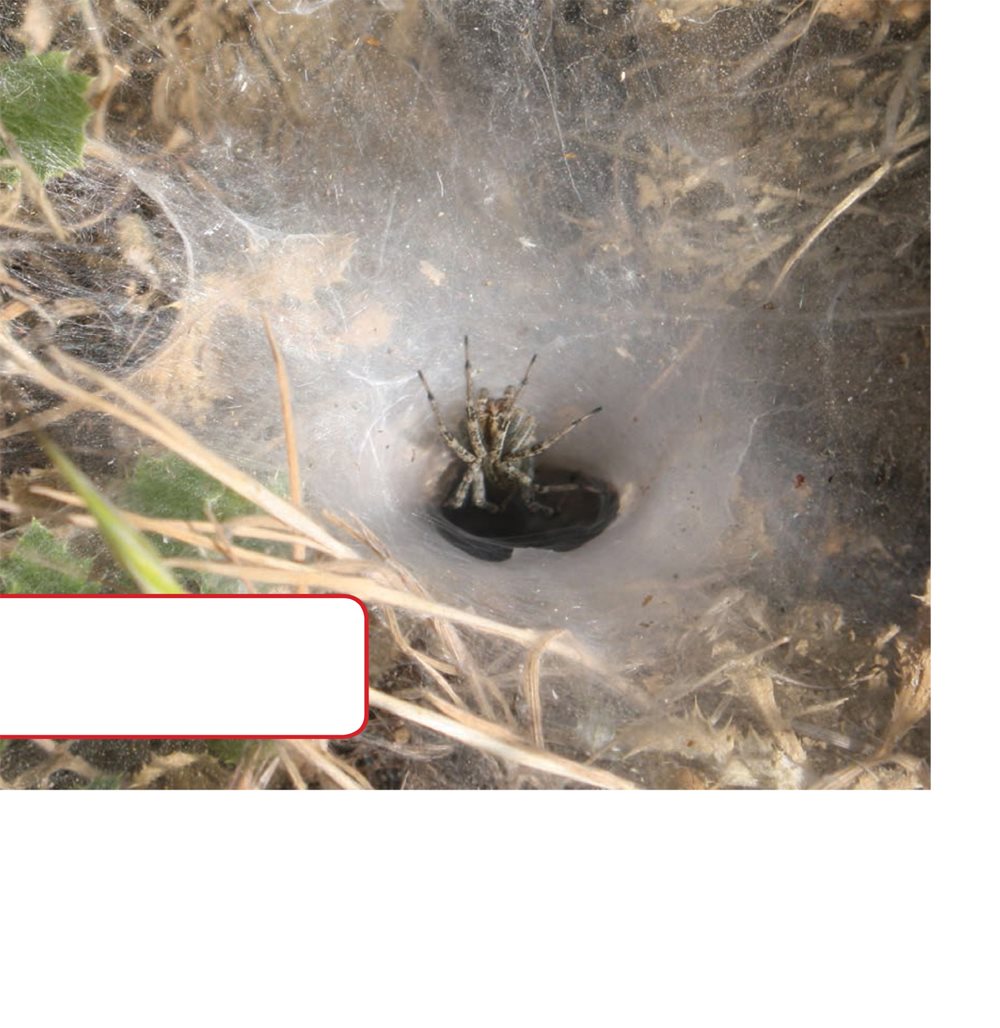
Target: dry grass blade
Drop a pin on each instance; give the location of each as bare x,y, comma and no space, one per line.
288,422
149,422
435,669
486,696
371,591
465,717
758,686
315,753
202,535
913,693
533,688
198,533
481,735
913,696
223,546
745,660
852,198
845,204
108,75
292,770
40,419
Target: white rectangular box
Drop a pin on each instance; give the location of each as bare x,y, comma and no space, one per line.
268,666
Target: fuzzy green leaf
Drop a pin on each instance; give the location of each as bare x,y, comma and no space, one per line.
42,106
169,487
41,564
104,782
130,547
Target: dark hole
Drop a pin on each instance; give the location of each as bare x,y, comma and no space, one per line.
578,515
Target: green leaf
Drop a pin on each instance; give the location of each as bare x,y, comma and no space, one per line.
130,547
104,782
41,564
169,487
42,106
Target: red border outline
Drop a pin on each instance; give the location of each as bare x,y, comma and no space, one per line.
199,596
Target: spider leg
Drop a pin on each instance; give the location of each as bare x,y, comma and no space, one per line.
457,498
479,491
519,432
473,407
536,507
528,490
561,487
468,375
509,413
524,381
533,451
453,444
475,417
472,479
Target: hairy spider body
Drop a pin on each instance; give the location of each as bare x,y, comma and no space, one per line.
496,442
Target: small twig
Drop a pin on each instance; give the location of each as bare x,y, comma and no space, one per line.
224,546
852,197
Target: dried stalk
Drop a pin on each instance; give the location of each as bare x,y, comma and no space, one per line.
480,734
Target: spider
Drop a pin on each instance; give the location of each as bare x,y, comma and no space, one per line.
498,445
